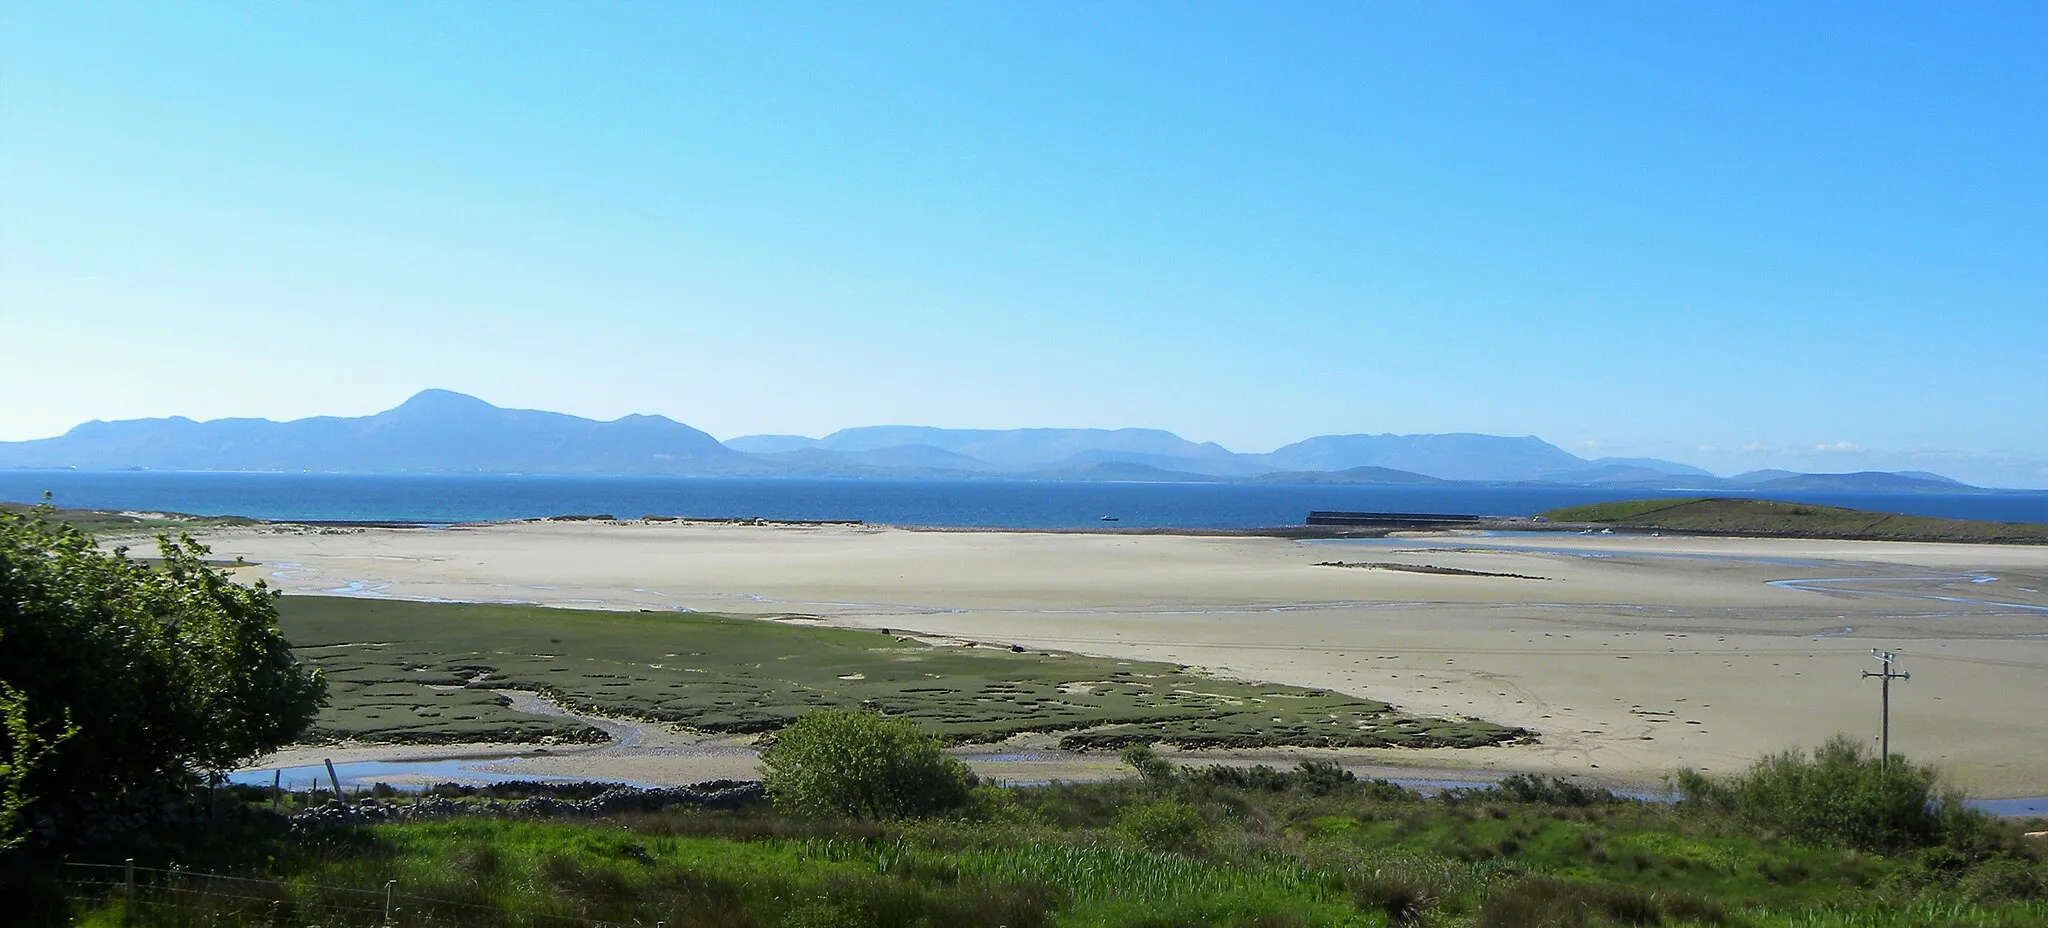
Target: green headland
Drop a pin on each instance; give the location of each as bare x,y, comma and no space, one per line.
108,522
1763,517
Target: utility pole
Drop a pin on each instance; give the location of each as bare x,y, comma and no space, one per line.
1884,760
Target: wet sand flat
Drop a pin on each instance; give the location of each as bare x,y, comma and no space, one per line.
1632,656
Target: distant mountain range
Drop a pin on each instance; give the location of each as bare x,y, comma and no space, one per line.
438,431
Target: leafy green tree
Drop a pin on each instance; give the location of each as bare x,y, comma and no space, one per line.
22,749
861,765
120,678
1156,771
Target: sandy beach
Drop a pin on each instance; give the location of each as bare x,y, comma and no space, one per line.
1631,655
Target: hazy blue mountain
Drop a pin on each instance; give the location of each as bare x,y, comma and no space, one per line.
769,444
1455,456
1932,477
1448,457
818,462
1116,470
1020,453
918,456
1863,482
1235,465
1628,475
1018,450
1031,448
1368,474
438,431
1655,464
435,431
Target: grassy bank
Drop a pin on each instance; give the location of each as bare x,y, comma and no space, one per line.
423,672
1275,849
111,523
1801,520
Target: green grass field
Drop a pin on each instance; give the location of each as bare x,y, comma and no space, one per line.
1122,854
421,672
1802,520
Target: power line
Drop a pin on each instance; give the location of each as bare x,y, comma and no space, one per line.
1887,675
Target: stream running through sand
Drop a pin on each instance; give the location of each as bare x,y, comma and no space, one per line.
631,738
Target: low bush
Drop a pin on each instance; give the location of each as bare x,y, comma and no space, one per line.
1322,778
1408,889
1553,791
1309,777
861,765
2007,879
1839,795
1255,777
1549,902
1167,826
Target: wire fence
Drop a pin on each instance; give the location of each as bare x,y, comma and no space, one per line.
175,895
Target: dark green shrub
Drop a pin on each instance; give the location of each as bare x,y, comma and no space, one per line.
860,765
1167,825
1322,777
1786,872
1843,796
1553,791
1691,907
1698,791
2007,879
1401,897
1313,777
1259,777
1628,905
1537,902
1386,791
1839,795
1152,768
1077,805
1548,902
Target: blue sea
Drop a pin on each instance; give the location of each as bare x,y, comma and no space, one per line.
980,503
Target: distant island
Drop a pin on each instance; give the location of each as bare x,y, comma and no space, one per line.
439,431
1772,518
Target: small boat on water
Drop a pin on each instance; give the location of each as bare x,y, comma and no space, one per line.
1111,519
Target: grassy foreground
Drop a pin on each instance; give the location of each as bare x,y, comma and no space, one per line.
1265,848
1801,520
423,672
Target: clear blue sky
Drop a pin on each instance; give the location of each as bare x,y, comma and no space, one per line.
1726,233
